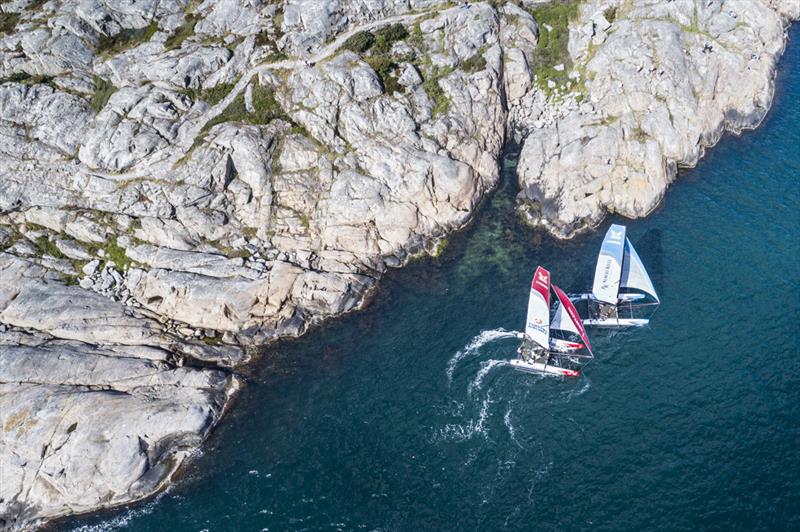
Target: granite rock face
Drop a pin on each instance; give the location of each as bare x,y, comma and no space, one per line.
179,186
181,182
659,84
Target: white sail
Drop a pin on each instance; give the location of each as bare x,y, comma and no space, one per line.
537,326
609,265
633,273
561,320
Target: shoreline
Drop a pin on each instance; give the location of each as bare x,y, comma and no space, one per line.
236,364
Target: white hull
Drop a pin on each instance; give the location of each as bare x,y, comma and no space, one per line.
617,322
537,367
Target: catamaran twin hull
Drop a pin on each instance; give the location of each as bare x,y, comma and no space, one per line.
622,294
540,352
624,314
538,367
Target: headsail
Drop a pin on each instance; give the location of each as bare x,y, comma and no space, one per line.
537,326
633,273
609,265
572,321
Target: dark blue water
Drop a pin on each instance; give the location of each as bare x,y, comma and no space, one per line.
389,419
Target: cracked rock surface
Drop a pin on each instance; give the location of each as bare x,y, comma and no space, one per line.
182,182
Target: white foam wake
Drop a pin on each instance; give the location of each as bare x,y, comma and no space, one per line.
462,432
476,343
486,367
122,521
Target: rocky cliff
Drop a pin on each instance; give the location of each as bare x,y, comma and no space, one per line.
182,181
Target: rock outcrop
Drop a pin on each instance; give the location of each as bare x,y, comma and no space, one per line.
658,82
181,182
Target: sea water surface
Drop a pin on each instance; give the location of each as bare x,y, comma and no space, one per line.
406,416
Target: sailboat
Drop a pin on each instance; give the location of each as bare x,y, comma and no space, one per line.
622,294
550,345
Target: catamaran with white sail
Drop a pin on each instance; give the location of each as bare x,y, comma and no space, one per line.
552,345
622,294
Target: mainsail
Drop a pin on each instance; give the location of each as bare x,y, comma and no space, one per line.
569,319
537,325
609,265
633,273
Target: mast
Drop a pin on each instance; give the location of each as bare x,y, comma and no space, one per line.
537,326
609,265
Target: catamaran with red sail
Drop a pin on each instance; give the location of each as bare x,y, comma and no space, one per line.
556,345
622,294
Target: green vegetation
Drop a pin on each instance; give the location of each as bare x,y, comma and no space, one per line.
305,221
379,44
249,232
45,246
212,340
212,95
640,135
113,253
475,63
610,14
8,21
441,246
27,79
13,237
35,5
183,32
386,37
103,90
265,109
72,428
360,42
552,48
441,103
125,39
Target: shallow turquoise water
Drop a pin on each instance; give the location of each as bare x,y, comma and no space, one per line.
387,419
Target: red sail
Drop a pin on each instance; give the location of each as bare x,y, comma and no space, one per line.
572,312
541,283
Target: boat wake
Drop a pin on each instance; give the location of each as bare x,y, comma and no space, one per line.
474,345
466,431
486,367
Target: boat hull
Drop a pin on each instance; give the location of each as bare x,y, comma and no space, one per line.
537,367
617,322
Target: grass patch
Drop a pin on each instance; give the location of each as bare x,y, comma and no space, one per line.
128,38
552,48
212,95
45,246
8,21
114,254
183,32
441,103
265,109
103,89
